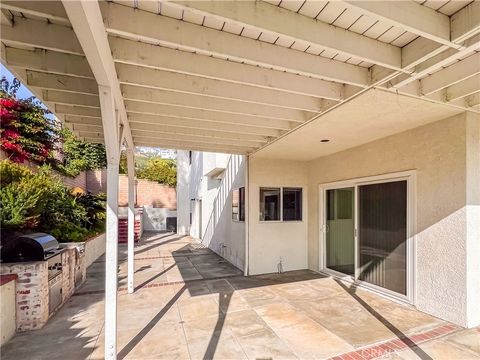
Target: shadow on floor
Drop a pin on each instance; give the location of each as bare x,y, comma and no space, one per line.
134,342
398,333
209,266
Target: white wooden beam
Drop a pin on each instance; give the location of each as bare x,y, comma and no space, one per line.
451,75
75,119
473,100
131,220
466,22
420,50
203,133
91,133
154,29
69,98
161,58
61,82
86,20
40,34
463,88
265,17
206,115
205,125
164,80
87,128
94,140
194,147
410,16
51,10
212,138
109,119
6,17
194,101
437,62
196,141
78,111
21,75
49,61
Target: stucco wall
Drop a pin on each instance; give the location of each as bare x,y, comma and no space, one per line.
7,309
222,234
473,220
270,242
209,199
438,154
94,248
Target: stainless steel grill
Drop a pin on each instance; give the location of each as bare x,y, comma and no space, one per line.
38,247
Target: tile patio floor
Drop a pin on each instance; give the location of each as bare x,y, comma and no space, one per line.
190,304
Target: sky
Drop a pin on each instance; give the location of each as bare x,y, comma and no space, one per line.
23,92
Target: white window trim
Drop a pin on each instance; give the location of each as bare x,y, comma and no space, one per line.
281,204
410,177
231,205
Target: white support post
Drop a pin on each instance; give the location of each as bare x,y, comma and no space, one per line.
110,125
246,266
131,217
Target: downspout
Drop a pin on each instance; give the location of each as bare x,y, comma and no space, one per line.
247,216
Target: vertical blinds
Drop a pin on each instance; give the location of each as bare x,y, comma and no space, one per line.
383,234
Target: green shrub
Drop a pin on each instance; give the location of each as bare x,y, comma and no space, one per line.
79,155
95,208
67,232
23,195
39,201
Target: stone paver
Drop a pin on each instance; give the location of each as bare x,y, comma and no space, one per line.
191,304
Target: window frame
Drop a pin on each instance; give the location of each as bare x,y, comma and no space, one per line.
241,202
281,220
280,203
301,202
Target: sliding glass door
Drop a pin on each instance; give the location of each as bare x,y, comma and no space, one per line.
366,232
340,228
382,230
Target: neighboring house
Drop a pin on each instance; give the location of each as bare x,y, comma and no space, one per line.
207,184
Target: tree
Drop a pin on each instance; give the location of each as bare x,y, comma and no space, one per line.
163,171
80,155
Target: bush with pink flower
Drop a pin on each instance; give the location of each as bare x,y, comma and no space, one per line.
27,133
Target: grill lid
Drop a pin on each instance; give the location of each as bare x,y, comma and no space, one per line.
29,247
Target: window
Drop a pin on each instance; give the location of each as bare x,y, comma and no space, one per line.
238,204
286,208
269,204
292,204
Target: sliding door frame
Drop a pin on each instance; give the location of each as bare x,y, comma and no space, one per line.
410,178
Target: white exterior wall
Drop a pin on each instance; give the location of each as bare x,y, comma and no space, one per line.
273,241
183,199
155,219
473,220
207,194
447,208
445,156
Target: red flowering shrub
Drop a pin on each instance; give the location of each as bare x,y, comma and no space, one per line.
26,133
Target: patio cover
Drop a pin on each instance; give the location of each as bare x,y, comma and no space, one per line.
228,76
